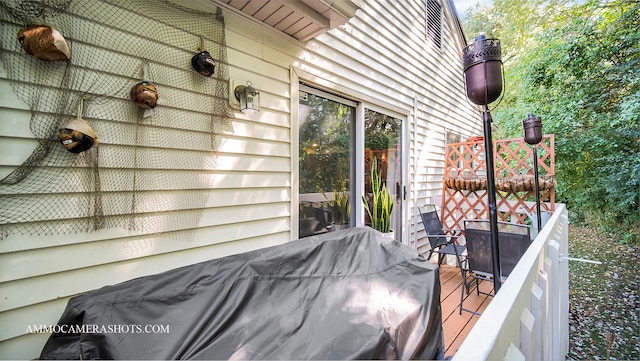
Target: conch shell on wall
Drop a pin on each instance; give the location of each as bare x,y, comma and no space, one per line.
44,43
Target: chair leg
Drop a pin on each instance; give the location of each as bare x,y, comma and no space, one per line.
468,286
459,263
464,284
470,283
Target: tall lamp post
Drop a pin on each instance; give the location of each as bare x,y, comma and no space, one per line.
532,127
482,64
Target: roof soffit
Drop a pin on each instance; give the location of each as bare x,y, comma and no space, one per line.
300,19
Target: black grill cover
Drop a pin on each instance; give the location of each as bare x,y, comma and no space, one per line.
342,295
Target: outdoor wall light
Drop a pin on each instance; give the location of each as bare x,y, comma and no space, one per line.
482,64
532,127
248,97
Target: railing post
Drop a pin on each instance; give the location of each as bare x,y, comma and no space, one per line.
555,295
564,267
543,283
537,295
527,334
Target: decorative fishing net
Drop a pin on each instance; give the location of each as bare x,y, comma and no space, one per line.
152,169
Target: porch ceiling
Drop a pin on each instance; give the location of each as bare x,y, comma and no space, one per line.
300,19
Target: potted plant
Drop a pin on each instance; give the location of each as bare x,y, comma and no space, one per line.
340,206
382,202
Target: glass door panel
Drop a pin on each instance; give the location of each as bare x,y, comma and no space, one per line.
383,142
325,162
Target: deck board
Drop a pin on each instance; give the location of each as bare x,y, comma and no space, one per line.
456,326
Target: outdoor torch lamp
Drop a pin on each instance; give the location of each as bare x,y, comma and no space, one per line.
248,97
532,127
482,64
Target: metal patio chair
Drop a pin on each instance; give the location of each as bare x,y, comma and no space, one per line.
443,242
513,241
313,219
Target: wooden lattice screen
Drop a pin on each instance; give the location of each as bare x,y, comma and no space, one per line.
465,181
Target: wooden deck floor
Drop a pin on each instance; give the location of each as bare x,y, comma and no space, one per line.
456,327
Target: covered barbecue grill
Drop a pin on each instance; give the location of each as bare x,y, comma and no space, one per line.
342,295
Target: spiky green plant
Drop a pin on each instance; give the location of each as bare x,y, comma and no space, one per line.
340,205
382,202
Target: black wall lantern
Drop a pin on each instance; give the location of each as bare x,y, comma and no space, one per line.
532,127
248,97
482,64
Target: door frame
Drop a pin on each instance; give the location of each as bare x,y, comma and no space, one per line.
362,101
405,189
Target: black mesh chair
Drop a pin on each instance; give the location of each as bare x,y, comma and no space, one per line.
513,241
313,219
443,242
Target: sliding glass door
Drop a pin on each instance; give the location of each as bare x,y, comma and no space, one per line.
325,162
332,179
383,147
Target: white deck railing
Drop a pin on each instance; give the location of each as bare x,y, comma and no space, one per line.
529,317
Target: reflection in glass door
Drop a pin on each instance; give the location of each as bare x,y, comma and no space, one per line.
325,162
383,142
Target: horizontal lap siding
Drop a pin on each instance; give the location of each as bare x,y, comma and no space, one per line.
72,282
237,199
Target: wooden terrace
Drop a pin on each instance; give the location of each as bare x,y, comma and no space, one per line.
457,327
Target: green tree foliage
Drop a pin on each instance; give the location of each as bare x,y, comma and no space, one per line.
577,66
324,146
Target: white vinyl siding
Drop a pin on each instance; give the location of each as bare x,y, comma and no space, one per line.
380,56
